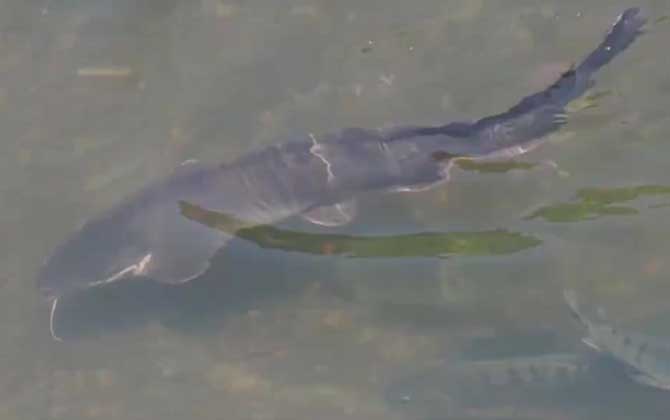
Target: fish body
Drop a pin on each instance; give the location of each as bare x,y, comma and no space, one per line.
318,178
647,357
552,385
549,369
461,386
309,178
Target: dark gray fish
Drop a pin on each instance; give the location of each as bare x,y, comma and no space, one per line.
647,356
316,178
560,385
457,387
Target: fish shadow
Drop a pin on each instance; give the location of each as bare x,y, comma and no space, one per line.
239,278
260,263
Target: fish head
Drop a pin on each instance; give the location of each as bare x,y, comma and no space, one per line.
99,252
603,337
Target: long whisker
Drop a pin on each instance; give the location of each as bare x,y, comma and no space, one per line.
51,321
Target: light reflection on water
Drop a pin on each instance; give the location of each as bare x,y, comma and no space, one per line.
100,97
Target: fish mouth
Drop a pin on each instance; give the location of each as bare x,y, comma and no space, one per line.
48,293
137,269
48,290
52,296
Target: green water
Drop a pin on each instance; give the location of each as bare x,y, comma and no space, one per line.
97,100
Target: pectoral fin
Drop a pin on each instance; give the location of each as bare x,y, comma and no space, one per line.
336,215
434,175
179,266
181,249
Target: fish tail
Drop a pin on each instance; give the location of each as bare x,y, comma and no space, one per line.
576,81
520,128
626,29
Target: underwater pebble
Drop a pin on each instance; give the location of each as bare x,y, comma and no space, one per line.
105,378
108,72
235,379
219,8
304,10
464,10
337,320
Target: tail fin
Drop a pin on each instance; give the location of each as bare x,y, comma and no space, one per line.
625,30
575,82
544,112
516,130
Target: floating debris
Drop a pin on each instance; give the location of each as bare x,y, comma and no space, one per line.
596,202
304,10
426,244
387,79
235,379
494,167
368,47
121,72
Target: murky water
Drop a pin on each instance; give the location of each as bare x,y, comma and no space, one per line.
99,97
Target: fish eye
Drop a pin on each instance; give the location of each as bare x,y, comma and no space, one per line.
48,292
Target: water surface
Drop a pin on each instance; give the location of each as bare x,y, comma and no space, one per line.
101,97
